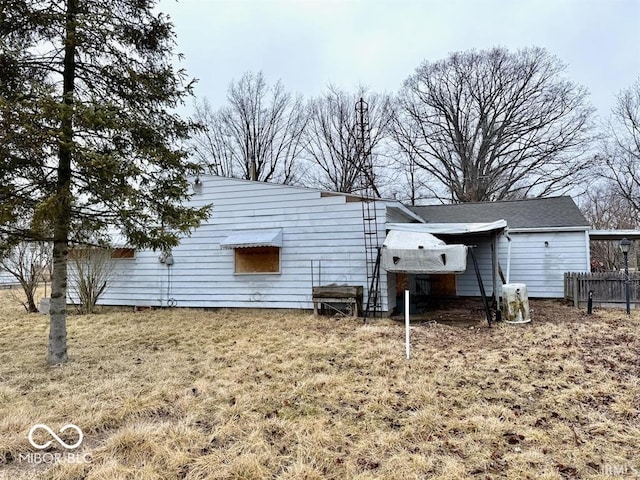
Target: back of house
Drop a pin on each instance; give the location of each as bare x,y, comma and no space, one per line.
267,246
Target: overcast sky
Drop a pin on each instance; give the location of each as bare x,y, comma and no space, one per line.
379,43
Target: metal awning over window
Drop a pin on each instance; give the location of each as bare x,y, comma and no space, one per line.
253,238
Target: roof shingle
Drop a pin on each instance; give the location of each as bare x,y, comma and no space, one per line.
529,213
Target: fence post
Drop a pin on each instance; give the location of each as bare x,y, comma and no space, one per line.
575,289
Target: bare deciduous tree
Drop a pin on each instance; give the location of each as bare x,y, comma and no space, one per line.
606,209
211,144
491,124
260,122
333,139
414,186
91,271
29,263
621,150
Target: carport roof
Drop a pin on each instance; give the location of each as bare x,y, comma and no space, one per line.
449,228
614,235
549,212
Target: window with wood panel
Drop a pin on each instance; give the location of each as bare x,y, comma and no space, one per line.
257,260
87,252
122,252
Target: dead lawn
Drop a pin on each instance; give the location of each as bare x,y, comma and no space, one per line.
185,394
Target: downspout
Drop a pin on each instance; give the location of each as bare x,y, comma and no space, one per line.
495,267
588,245
506,235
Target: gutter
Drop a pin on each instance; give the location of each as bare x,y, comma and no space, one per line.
584,228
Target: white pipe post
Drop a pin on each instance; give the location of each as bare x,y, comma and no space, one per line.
406,323
508,258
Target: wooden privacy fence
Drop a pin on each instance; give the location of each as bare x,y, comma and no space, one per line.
607,287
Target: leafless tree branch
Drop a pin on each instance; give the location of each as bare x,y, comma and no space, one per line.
494,125
333,144
259,122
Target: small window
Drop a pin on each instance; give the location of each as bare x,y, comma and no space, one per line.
257,260
123,253
85,253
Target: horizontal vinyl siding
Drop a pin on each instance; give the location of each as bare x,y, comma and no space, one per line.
542,267
325,229
467,282
6,278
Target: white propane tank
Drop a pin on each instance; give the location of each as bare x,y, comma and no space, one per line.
516,303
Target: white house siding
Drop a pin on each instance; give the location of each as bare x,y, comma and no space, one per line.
540,267
324,228
467,282
6,278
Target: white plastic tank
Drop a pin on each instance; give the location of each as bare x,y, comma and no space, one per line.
516,303
45,305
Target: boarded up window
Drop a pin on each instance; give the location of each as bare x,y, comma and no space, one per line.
84,253
257,260
123,253
77,253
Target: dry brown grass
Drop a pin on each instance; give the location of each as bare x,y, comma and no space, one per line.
186,394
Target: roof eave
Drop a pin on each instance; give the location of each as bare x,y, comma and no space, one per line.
574,228
404,209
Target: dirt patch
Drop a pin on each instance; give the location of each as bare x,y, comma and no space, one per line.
469,312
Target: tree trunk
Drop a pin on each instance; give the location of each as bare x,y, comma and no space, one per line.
58,307
62,214
31,304
28,283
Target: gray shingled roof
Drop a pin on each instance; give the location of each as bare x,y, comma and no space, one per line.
530,213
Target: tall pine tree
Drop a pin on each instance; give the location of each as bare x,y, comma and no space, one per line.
88,137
